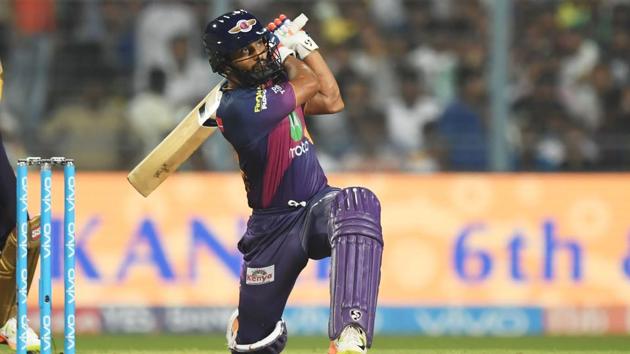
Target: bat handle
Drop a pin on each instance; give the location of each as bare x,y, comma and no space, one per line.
298,23
286,26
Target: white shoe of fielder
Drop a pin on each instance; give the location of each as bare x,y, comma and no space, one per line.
8,334
352,340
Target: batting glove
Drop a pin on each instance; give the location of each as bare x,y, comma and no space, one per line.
298,41
283,51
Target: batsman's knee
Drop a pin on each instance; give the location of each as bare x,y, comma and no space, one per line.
274,343
356,211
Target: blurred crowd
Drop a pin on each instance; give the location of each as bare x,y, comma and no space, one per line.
103,81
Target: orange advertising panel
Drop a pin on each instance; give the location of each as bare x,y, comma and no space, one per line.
550,240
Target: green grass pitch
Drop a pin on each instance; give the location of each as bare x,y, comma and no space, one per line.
197,344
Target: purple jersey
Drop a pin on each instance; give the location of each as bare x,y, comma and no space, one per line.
275,152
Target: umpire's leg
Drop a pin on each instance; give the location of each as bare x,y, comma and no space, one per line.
8,239
8,261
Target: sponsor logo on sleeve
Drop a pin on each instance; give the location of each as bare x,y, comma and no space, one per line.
260,276
261,100
277,89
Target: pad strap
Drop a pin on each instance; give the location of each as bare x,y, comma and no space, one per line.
274,342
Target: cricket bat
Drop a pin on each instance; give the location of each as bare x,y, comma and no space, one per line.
178,145
185,139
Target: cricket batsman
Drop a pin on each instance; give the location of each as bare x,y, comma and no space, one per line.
8,253
274,78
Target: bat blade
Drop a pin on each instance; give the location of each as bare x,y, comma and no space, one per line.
178,145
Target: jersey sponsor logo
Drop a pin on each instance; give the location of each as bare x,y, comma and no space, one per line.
299,150
296,126
261,100
259,276
36,233
296,131
242,26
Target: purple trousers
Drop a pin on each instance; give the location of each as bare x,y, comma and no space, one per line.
276,247
278,244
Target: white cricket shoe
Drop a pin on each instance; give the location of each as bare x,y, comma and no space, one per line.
352,340
8,334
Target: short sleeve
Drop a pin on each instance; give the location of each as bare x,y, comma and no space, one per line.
255,112
273,103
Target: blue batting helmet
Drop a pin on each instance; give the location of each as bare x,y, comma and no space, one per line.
232,31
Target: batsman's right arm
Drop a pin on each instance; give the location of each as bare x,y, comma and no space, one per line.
328,98
303,79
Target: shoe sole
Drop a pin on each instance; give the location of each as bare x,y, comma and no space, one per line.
333,350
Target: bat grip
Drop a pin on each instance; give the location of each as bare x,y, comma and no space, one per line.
298,23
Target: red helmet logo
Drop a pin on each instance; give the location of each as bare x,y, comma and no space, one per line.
243,26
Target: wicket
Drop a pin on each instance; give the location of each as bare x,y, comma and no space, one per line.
45,288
